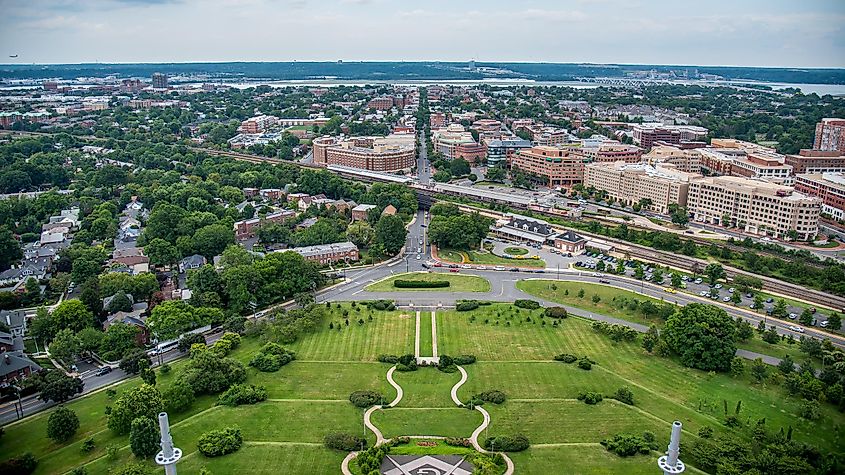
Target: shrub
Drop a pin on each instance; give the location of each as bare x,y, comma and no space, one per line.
132,469
705,432
165,369
495,396
624,395
464,359
364,399
556,312
271,357
458,442
187,341
420,284
381,304
392,359
344,441
144,437
514,443
62,424
88,446
586,363
219,442
407,363
527,304
241,394
590,397
566,358
178,396
467,305
625,445
23,464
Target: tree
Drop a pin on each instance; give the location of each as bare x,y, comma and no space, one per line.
211,240
62,424
459,167
55,386
118,340
144,437
744,330
179,396
143,401
10,250
73,315
678,214
736,298
714,272
806,317
786,365
65,346
360,233
759,370
170,319
134,362
676,279
120,303
496,174
90,295
834,321
780,309
391,233
32,293
161,252
651,338
702,335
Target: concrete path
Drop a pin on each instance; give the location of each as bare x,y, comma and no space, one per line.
399,392
457,386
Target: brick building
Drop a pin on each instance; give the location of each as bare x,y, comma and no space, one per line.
554,166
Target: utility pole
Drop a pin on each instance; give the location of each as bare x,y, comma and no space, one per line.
670,463
169,454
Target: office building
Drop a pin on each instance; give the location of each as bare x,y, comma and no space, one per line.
685,160
612,151
629,183
456,142
645,135
829,186
249,227
816,161
394,153
755,206
556,167
500,152
159,80
830,135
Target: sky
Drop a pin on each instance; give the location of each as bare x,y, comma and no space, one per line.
780,33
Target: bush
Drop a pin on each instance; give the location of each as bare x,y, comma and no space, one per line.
625,445
178,396
705,432
364,399
464,359
133,469
467,305
556,312
392,359
527,304
344,441
624,395
62,424
566,358
165,369
144,439
23,464
88,446
420,284
407,363
220,442
586,363
590,397
381,304
514,443
271,357
458,442
187,341
241,394
495,396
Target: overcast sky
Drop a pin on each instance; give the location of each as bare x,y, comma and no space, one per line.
799,33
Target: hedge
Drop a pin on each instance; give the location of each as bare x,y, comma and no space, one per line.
556,312
271,357
380,304
590,397
527,304
344,441
220,442
241,394
566,358
392,359
420,284
364,399
504,443
464,359
625,445
467,305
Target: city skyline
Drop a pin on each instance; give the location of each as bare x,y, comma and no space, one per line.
754,33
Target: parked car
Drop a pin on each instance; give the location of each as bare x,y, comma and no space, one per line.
793,316
770,300
103,371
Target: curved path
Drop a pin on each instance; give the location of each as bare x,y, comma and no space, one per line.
486,422
399,392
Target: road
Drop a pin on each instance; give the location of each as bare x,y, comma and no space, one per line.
31,404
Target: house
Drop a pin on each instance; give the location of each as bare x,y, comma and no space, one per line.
361,212
108,300
14,366
55,235
138,263
328,253
295,197
36,268
523,229
127,252
570,242
389,210
271,194
191,262
248,227
342,205
307,223
250,192
306,201
15,320
9,342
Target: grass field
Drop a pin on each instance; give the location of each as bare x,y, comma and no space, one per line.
308,399
487,258
426,348
457,283
556,291
516,251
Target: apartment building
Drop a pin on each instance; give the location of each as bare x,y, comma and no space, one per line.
555,166
380,103
611,151
325,254
628,183
685,160
396,152
645,135
830,135
816,161
258,124
829,186
755,206
249,227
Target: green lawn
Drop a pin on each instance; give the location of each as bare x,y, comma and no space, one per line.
426,348
487,258
516,251
426,387
437,421
457,282
583,459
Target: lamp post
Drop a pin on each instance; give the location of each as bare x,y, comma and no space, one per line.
670,463
169,454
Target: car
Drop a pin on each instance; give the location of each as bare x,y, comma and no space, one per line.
514,269
703,293
749,295
796,328
418,257
793,316
481,267
685,278
425,265
499,267
578,263
670,290
726,299
453,266
103,371
823,324
714,296
596,274
539,271
698,280
454,270
752,306
731,290
422,225
604,281
437,264
770,300
717,286
466,266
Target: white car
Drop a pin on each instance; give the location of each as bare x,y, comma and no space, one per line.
481,267
418,257
823,324
698,281
796,328
466,266
726,299
731,290
703,293
717,286
793,316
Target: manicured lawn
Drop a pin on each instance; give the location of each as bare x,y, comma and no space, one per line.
516,251
586,459
268,459
440,421
487,258
449,255
457,283
426,387
426,348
